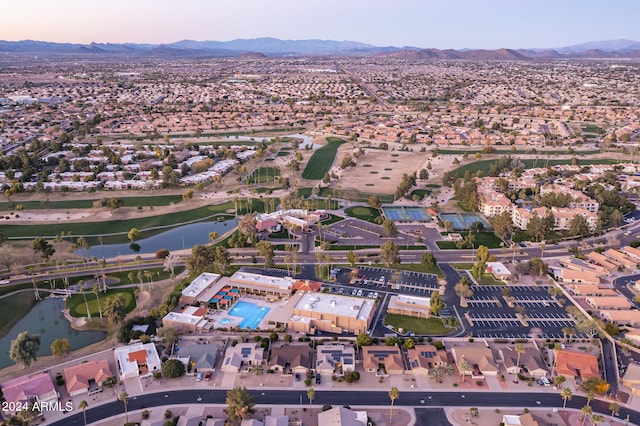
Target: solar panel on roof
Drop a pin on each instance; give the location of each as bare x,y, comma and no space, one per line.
428,354
245,352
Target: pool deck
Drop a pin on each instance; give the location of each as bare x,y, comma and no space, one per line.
219,315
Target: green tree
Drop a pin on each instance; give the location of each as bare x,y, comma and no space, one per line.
188,195
587,410
239,403
437,304
393,395
520,351
578,226
389,228
389,253
173,368
429,261
83,406
535,227
114,310
168,335
24,348
502,225
265,249
43,247
352,258
133,234
363,339
60,347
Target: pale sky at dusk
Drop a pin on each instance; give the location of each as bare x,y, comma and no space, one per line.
441,24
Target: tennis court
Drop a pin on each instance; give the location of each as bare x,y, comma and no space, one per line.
406,214
463,221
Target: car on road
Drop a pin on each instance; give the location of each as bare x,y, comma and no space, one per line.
318,378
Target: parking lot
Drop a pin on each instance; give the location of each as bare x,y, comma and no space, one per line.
490,315
370,277
356,232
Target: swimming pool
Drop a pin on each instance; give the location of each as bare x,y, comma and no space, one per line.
251,313
225,321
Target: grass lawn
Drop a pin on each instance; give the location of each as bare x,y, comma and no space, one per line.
484,165
487,279
365,213
520,236
487,239
160,200
321,160
517,151
263,175
13,308
77,307
420,326
465,266
332,219
122,227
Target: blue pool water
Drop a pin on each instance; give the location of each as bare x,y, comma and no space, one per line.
225,321
251,313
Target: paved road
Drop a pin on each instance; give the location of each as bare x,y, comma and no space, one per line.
380,398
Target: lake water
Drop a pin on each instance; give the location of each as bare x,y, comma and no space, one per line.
306,140
181,237
47,320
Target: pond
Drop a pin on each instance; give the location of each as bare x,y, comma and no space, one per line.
47,320
181,237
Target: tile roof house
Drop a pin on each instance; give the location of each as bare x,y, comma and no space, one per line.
24,389
531,361
631,378
576,365
479,358
608,302
241,356
335,359
291,359
340,416
202,357
620,316
86,377
422,358
382,360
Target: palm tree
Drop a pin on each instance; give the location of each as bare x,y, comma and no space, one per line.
257,369
393,395
520,351
556,349
101,241
597,418
463,367
124,397
96,290
586,411
83,405
130,276
82,292
311,394
590,396
566,396
615,408
437,374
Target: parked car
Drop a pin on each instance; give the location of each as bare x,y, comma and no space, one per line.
297,377
207,376
318,378
198,377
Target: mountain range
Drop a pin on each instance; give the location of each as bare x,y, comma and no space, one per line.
612,49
